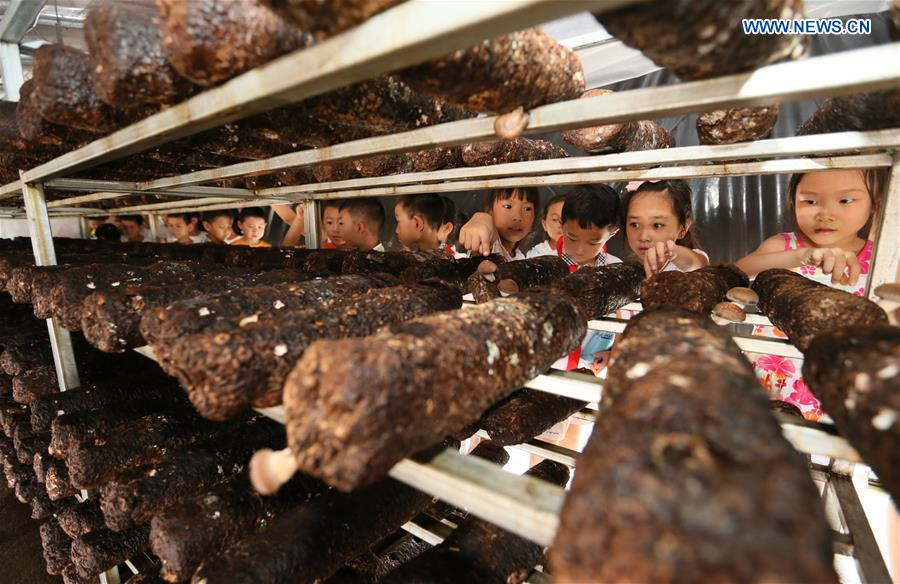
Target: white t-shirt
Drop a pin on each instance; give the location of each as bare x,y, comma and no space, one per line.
201,238
498,248
144,231
541,249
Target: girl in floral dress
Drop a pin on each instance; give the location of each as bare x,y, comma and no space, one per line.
833,211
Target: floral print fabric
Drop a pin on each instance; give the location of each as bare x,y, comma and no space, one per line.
781,376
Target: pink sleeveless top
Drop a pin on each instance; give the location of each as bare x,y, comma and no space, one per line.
781,376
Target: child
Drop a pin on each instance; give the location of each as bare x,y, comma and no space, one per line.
552,224
252,223
219,226
179,227
590,217
658,217
419,221
331,214
132,227
359,223
507,218
833,211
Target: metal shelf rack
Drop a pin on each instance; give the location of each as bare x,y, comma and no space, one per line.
521,504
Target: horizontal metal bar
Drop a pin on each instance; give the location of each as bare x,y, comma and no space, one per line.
819,145
90,184
361,53
813,441
767,345
427,535
838,73
752,318
521,504
568,384
712,170
126,187
770,346
93,197
199,208
573,178
10,190
275,412
177,204
542,449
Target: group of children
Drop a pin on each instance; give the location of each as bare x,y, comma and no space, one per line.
185,228
833,212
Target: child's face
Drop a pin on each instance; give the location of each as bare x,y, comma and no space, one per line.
132,230
330,217
832,207
349,230
553,223
219,229
651,219
177,228
584,244
513,218
409,229
253,229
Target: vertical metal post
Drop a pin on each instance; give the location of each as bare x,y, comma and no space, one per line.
153,226
886,255
45,255
868,556
11,68
311,225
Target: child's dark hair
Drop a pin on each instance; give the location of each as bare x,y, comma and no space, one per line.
449,215
875,179
680,194
529,194
592,206
369,209
429,206
139,219
186,217
108,232
211,216
248,212
328,204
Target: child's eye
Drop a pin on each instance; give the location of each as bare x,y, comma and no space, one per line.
633,225
528,209
847,201
658,225
808,202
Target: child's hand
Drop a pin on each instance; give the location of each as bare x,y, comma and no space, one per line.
477,236
841,264
658,257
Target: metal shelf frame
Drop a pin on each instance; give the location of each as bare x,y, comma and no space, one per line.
523,505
